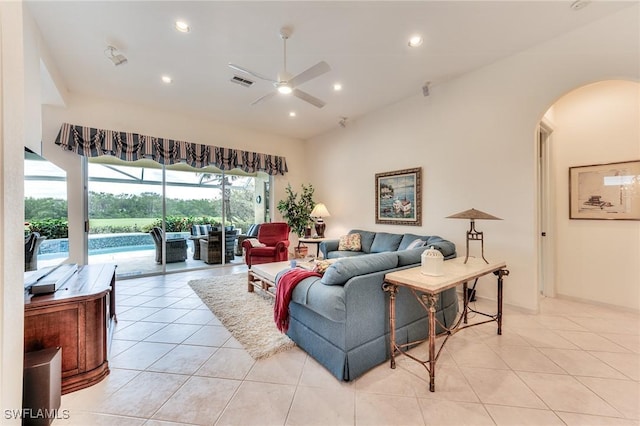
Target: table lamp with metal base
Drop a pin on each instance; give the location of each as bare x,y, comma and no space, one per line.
472,233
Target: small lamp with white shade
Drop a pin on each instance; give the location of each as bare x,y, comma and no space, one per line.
318,212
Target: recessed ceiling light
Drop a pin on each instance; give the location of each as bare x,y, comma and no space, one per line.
337,87
292,114
166,79
182,26
415,41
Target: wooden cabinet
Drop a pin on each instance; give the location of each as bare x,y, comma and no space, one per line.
78,318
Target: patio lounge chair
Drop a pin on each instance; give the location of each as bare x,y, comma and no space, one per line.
211,246
176,247
31,244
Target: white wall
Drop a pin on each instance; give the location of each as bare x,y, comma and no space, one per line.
474,137
13,119
112,115
596,259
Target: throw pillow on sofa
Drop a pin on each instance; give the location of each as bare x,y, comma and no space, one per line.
415,244
350,242
322,265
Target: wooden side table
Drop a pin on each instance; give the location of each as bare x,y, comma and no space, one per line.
315,241
426,289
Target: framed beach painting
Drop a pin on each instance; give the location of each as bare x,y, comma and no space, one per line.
605,191
399,197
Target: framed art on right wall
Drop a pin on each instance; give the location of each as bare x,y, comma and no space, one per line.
605,191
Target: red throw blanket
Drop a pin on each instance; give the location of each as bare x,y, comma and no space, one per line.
288,281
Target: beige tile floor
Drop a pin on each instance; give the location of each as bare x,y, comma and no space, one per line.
172,362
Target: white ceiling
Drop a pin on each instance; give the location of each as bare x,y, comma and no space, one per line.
365,43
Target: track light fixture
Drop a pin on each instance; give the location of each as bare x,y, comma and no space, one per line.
117,58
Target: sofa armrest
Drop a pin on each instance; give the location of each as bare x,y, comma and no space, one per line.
328,245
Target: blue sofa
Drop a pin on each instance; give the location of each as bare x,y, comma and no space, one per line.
378,242
341,319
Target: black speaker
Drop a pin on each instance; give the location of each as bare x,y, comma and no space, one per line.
471,294
42,385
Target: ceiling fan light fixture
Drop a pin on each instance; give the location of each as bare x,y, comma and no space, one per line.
285,89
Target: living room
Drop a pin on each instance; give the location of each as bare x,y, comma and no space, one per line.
474,136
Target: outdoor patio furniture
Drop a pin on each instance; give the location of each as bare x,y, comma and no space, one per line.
176,247
252,232
31,244
274,242
211,247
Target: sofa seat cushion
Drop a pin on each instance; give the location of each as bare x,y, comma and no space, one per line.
384,241
344,269
337,254
263,251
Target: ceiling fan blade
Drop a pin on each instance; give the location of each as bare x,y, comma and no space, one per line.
310,73
308,98
246,71
264,98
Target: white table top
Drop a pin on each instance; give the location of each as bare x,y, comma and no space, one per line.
313,240
455,272
270,270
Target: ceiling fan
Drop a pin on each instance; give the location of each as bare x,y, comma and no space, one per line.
286,83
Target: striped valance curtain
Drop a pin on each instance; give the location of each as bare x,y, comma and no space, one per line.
91,142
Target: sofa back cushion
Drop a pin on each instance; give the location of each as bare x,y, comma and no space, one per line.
410,256
407,239
366,239
384,241
344,269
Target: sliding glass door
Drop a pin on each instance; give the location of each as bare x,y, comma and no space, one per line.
152,219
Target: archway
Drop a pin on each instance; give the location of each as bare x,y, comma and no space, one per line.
591,260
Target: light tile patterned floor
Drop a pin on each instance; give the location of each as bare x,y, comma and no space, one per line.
172,362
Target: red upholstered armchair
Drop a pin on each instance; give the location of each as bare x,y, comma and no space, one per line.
275,237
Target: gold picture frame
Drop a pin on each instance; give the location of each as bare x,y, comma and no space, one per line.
399,197
605,191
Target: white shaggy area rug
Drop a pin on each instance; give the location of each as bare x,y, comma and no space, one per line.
247,316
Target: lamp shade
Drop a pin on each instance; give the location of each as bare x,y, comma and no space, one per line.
320,210
472,214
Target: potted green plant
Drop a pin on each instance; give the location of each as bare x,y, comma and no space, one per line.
296,210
